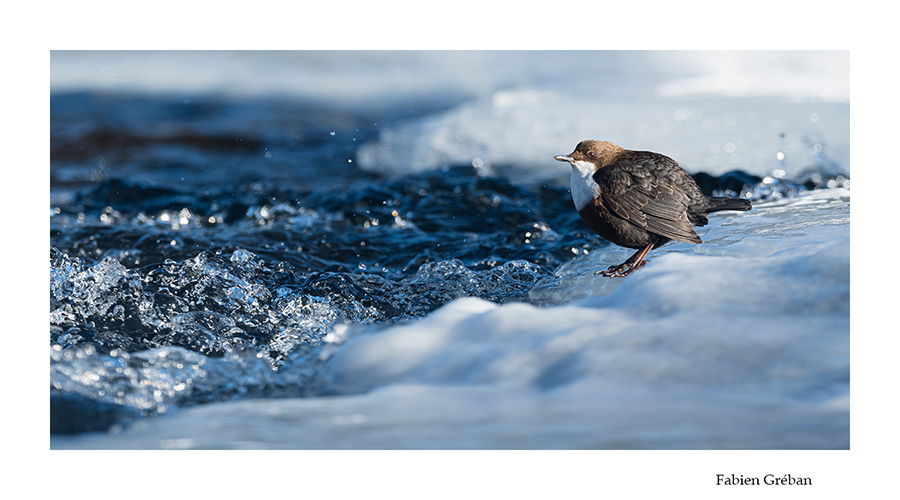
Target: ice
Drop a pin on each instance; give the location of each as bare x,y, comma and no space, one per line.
510,112
740,342
794,75
367,79
518,131
733,314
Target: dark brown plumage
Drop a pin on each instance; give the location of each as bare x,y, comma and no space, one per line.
638,199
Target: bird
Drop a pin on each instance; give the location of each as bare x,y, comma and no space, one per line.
638,199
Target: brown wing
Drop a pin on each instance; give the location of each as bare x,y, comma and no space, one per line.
635,195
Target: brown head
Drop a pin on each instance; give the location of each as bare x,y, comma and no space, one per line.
600,153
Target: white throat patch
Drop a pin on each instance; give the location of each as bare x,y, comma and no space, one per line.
584,189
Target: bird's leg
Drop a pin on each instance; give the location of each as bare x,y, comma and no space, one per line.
634,262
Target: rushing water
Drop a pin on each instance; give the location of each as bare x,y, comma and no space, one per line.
208,250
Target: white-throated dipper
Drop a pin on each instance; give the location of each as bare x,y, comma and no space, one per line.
638,199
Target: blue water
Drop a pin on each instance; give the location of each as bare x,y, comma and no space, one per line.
309,271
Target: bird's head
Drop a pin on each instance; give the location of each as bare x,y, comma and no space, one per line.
591,155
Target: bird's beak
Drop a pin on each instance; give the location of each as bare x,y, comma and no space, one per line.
563,158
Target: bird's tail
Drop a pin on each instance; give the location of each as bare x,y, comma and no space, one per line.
717,204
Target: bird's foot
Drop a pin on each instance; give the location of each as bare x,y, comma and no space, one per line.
622,270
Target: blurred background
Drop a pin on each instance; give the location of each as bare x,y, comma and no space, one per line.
509,111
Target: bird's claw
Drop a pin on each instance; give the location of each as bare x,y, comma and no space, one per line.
622,270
